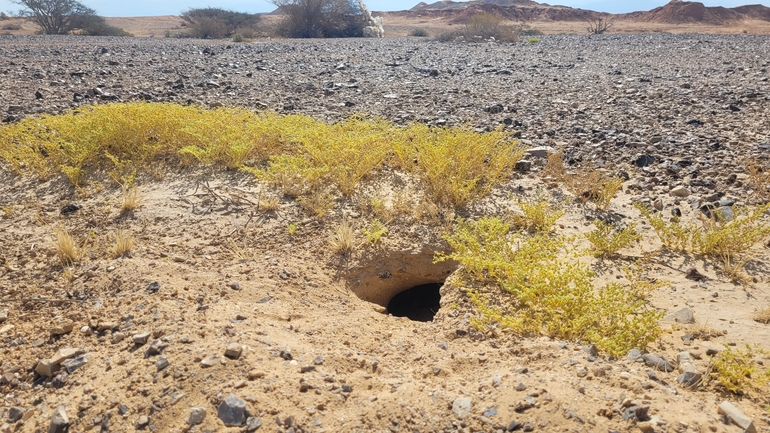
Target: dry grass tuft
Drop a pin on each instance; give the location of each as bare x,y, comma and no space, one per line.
762,316
124,241
131,199
702,331
342,239
318,203
269,204
67,249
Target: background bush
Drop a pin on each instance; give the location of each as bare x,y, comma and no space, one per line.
321,18
217,23
482,27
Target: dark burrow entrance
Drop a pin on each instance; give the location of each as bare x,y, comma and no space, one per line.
420,303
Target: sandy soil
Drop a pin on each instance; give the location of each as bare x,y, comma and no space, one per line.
244,307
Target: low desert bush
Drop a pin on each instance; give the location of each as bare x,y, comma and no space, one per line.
607,240
4,16
482,27
738,372
299,154
533,40
319,202
419,32
457,165
586,184
538,291
11,26
537,216
716,237
217,23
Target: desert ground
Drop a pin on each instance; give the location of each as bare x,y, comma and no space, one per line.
222,297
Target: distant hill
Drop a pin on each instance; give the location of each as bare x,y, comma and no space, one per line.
675,12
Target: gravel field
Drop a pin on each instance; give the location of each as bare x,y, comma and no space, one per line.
604,98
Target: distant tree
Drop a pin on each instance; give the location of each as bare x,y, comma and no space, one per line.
217,23
600,25
60,17
321,18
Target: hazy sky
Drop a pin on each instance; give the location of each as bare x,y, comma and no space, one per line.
115,8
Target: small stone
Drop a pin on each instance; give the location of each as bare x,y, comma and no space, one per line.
645,427
161,363
140,339
15,413
62,328
319,360
3,315
197,415
581,371
65,354
70,208
73,364
104,326
117,337
637,412
514,426
693,274
490,413
256,374
540,151
235,285
142,422
232,411
657,362
233,351
210,361
307,369
443,346
252,424
45,368
680,191
461,407
60,422
737,417
635,355
689,379
684,316
155,348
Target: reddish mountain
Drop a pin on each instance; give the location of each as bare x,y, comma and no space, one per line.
676,12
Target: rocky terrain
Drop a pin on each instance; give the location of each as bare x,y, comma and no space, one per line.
222,319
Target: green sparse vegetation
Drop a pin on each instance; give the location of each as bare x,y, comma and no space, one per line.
419,32
607,240
375,231
716,237
537,216
738,372
538,290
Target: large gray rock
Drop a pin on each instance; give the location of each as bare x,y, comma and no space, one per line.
657,362
232,411
60,422
461,407
737,417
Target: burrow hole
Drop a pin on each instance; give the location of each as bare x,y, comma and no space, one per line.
419,303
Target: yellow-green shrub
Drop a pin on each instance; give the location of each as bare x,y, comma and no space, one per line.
545,293
537,215
457,165
727,241
607,240
738,372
